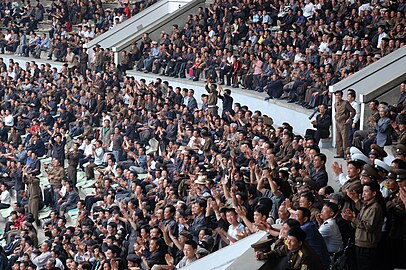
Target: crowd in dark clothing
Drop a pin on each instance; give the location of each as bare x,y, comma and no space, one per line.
147,175
165,180
289,49
73,23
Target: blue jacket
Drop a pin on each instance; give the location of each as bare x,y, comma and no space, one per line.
316,242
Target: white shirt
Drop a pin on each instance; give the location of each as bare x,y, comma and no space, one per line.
384,190
341,179
41,260
98,156
308,10
87,149
7,37
380,37
5,197
356,107
9,120
232,232
331,235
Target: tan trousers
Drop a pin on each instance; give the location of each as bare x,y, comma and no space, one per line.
341,138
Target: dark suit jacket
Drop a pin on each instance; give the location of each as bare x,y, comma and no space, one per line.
322,125
71,199
192,104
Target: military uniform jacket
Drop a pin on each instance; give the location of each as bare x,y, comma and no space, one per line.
33,189
303,259
57,173
396,217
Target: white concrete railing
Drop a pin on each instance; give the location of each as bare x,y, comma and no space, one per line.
373,81
135,24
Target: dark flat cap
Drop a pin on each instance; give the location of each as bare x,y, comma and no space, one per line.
377,151
400,149
400,174
401,119
263,245
369,171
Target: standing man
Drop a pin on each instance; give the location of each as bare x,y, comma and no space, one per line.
58,148
211,88
344,114
55,176
34,195
354,124
227,102
73,157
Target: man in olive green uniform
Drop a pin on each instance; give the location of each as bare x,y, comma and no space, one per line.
73,161
34,195
55,176
396,220
344,113
401,128
211,88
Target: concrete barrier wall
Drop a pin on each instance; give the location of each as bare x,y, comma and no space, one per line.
137,23
154,28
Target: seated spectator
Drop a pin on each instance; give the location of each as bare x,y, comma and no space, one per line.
69,201
329,229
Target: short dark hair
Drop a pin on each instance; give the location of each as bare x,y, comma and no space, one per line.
298,233
262,209
322,156
191,243
292,223
309,196
306,212
352,93
333,207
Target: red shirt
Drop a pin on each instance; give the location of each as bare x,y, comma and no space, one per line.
19,221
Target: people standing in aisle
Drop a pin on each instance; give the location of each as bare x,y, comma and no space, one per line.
344,113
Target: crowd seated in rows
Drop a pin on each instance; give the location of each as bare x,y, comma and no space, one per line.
143,175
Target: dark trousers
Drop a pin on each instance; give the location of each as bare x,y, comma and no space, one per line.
351,131
366,258
4,205
54,196
90,200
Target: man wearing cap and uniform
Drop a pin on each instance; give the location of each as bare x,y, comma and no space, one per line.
396,220
401,128
344,113
300,256
400,152
383,170
211,88
377,152
368,173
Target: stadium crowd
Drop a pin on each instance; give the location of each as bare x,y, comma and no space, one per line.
288,49
143,175
73,23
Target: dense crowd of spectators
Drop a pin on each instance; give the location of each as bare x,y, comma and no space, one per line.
159,178
167,180
73,23
289,49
